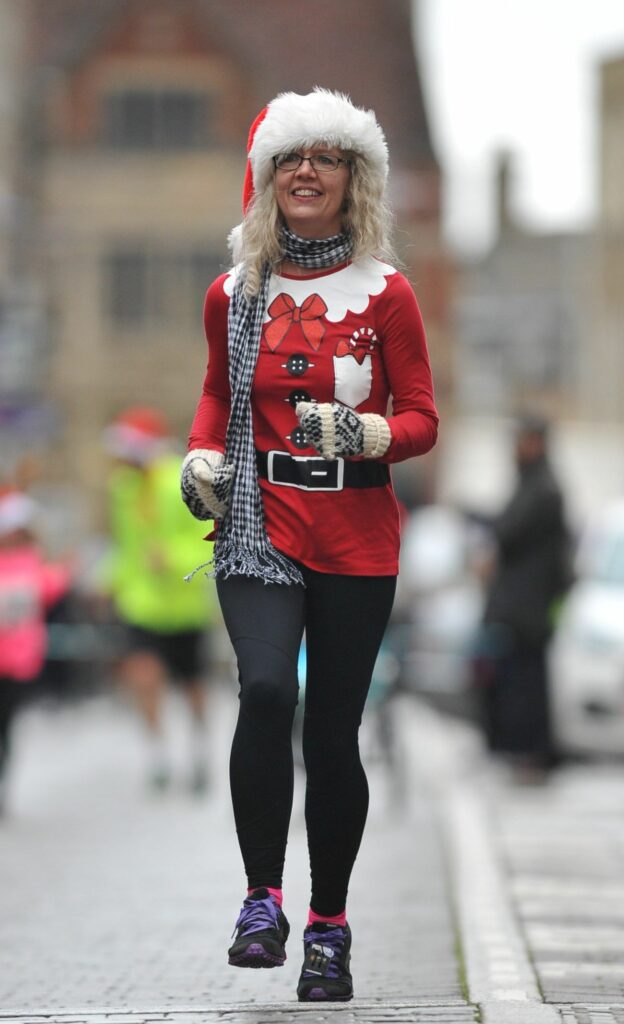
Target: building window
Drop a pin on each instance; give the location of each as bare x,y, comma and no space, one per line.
144,286
161,119
127,288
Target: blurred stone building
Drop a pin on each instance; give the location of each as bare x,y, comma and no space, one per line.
539,320
522,315
130,160
602,367
25,412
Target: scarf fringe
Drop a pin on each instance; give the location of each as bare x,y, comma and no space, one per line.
189,575
268,565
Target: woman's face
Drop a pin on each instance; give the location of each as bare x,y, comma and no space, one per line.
311,201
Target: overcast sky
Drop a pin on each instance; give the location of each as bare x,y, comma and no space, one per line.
522,75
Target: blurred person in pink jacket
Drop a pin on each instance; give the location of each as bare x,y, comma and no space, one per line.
29,585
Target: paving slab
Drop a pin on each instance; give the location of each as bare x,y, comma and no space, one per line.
563,850
275,1013
113,899
471,900
588,1014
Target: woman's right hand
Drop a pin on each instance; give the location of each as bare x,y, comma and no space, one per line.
206,483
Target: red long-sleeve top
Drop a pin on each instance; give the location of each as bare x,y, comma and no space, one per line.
355,335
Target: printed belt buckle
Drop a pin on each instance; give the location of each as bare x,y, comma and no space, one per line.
318,473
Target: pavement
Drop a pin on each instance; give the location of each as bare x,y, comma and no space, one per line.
473,899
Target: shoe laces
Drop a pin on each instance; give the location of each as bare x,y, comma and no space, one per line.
328,946
256,915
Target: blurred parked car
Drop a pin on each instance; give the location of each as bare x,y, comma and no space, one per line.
587,653
438,607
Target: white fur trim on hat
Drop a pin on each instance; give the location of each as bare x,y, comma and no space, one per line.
321,116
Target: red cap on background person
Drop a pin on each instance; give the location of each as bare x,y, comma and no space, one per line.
138,435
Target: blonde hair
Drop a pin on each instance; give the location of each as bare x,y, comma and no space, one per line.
367,218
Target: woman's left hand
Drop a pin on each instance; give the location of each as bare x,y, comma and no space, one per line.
335,429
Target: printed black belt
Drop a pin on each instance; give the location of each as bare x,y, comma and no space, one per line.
314,473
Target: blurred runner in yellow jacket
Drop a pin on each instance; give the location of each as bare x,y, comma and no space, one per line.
154,541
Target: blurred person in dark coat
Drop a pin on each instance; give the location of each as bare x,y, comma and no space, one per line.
530,573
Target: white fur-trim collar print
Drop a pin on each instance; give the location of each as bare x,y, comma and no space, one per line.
346,291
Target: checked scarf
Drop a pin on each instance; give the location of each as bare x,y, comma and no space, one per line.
243,546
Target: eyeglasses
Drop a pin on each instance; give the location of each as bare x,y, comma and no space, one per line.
319,161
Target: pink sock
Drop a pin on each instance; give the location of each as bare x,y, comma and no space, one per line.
340,919
276,893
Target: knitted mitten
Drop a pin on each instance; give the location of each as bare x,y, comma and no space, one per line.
206,483
334,429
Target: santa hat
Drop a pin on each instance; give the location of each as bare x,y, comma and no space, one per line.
17,511
138,435
292,121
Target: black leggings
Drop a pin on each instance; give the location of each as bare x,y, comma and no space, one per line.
344,618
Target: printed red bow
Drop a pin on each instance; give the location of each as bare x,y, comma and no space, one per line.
358,349
284,312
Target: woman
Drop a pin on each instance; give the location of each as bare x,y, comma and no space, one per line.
308,337
29,587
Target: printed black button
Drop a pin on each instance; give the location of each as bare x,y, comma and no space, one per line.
298,439
297,364
298,396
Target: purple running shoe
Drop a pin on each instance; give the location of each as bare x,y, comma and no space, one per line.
325,973
261,932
